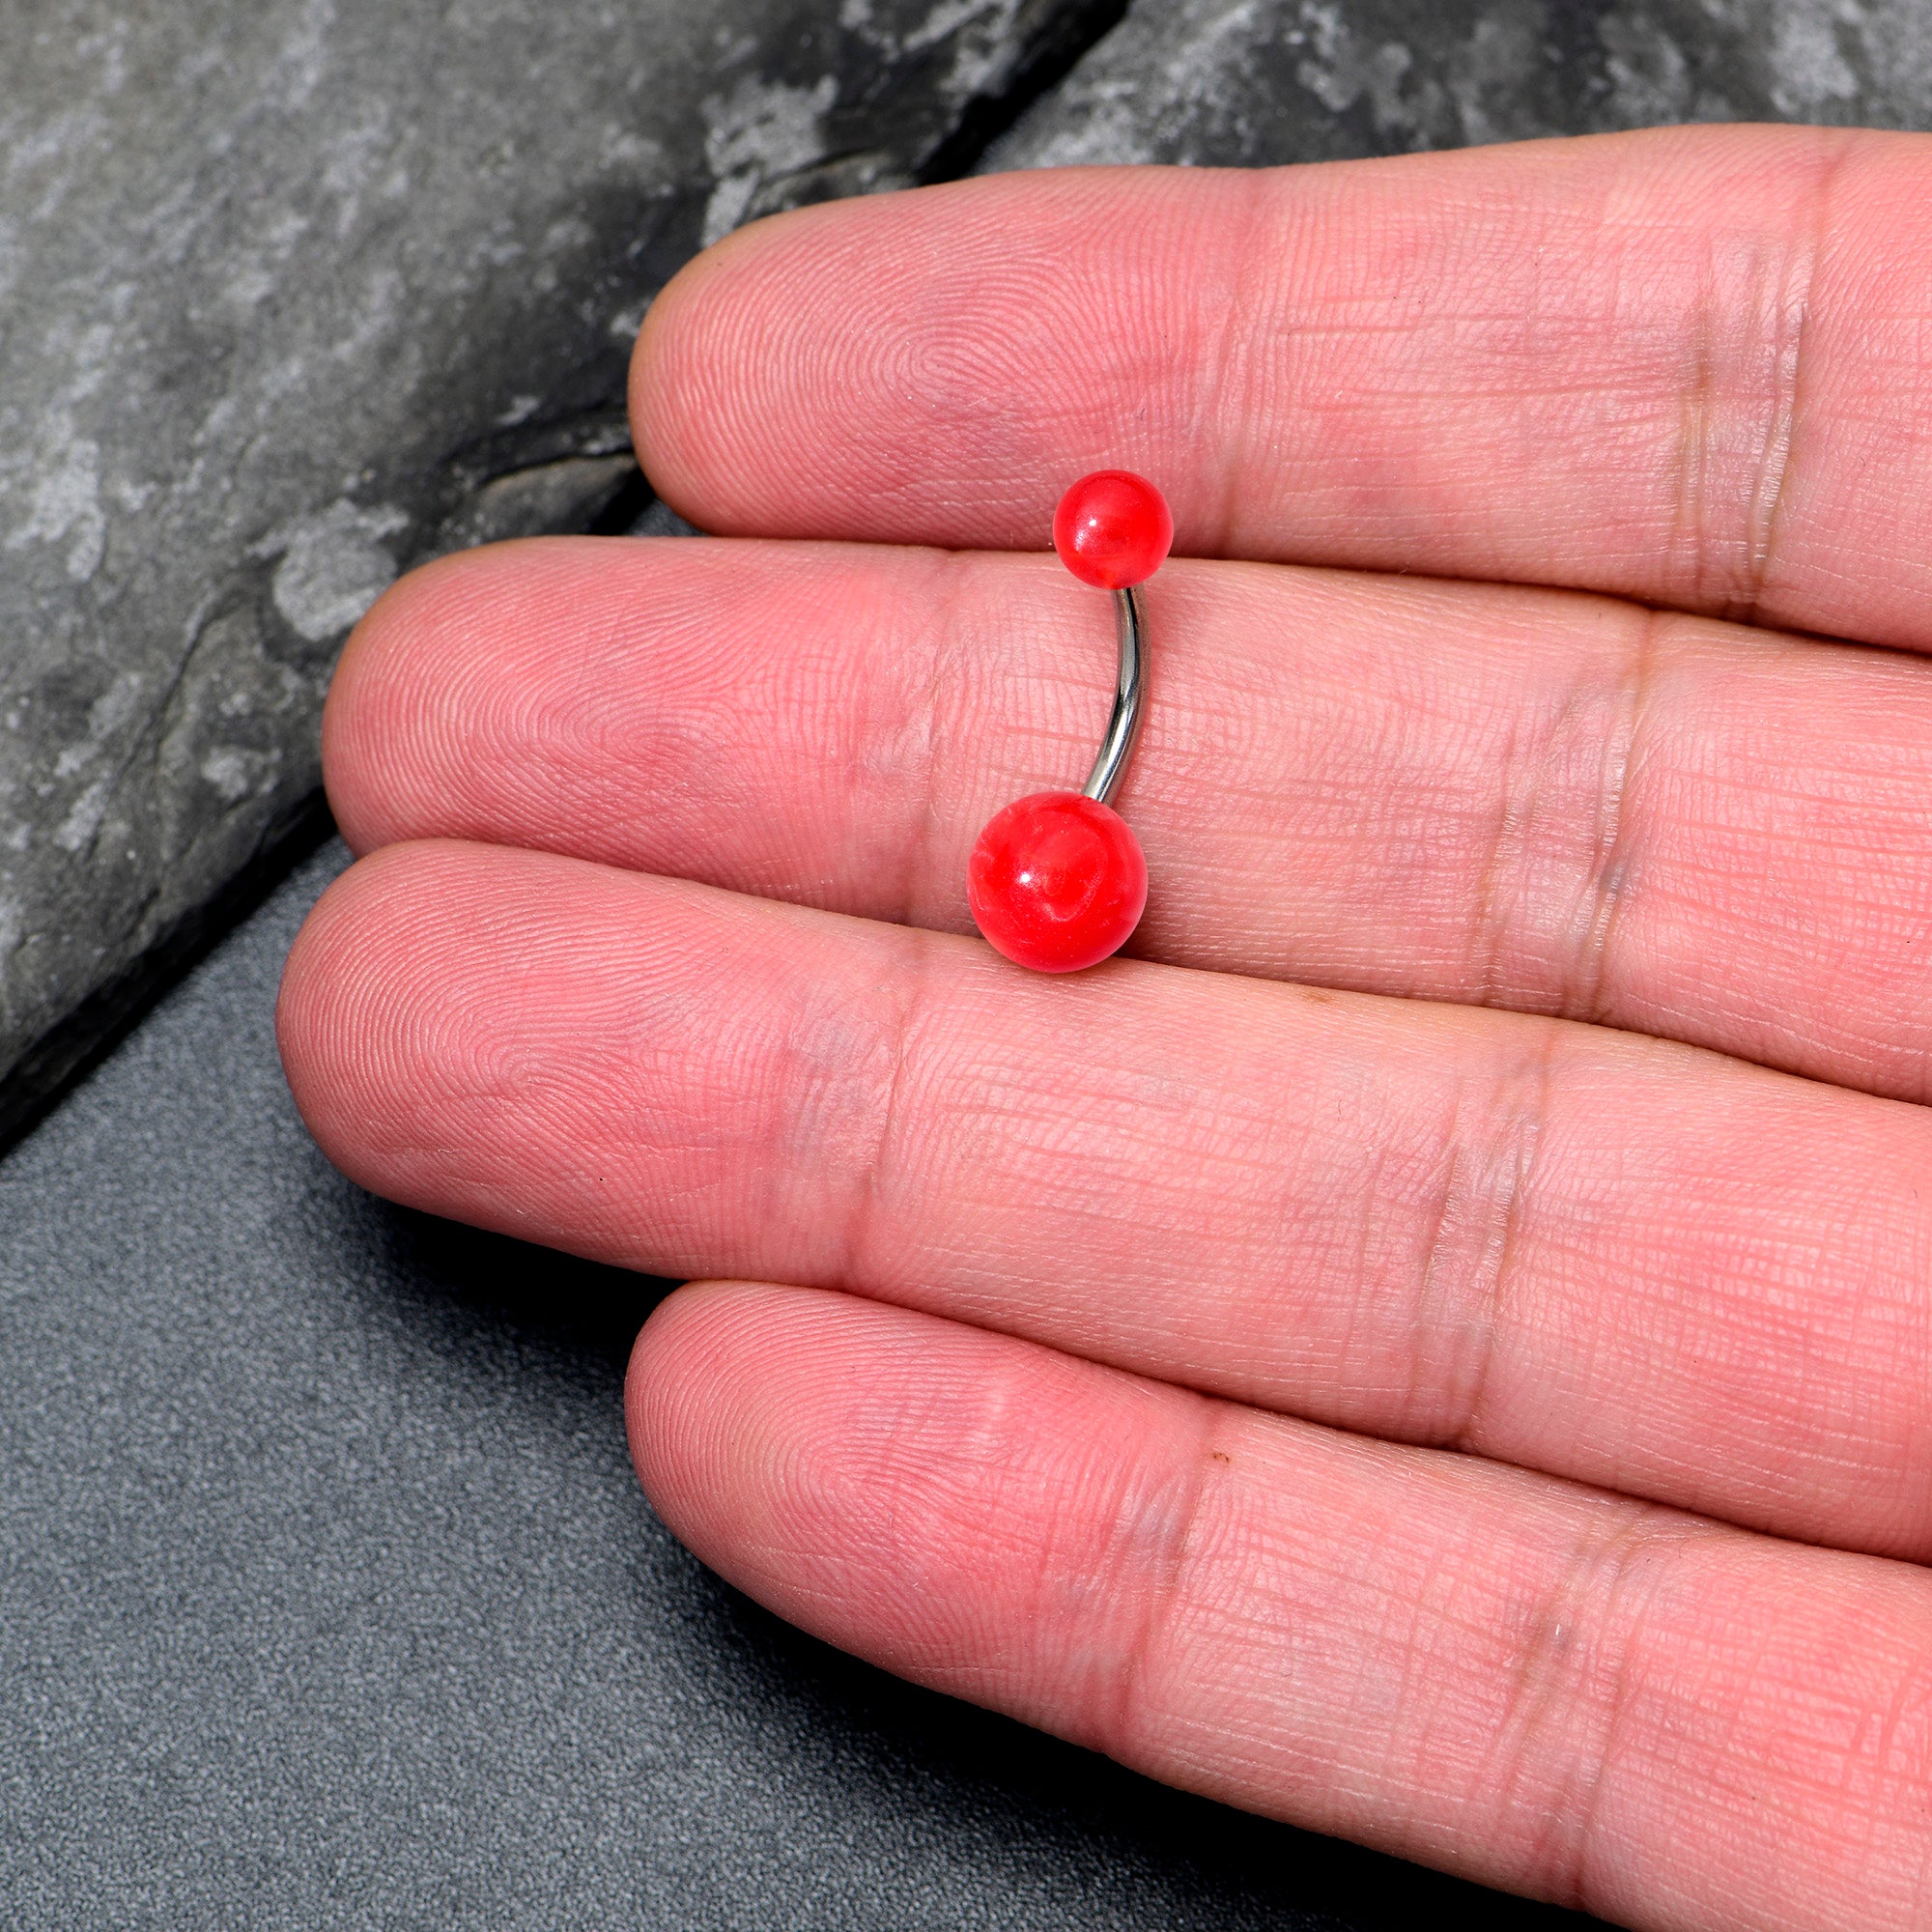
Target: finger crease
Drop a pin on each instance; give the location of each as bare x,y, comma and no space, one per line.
1469,1268
1606,886
1572,1685
1789,331
912,976
951,573
1235,342
1160,1583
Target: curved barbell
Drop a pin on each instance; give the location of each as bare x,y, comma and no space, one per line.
1058,881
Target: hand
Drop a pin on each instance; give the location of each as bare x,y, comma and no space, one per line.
1437,1348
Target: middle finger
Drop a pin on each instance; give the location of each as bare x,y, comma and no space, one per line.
1530,799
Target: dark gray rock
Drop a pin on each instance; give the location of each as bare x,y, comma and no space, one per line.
296,293
1227,82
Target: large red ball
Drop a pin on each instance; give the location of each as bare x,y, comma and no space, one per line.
1057,881
1113,529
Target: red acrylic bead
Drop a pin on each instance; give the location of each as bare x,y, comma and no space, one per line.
1057,881
1113,529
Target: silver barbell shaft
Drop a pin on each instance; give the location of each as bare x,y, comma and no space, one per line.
1125,726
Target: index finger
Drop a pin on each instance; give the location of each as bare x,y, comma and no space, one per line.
1689,366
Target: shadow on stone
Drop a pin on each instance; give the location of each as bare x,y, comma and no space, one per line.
551,1302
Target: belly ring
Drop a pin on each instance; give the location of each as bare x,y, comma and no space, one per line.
1057,881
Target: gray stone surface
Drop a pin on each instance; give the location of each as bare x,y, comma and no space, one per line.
1243,82
328,1597
294,292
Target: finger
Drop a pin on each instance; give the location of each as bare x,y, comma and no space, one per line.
1487,795
1615,1260
1687,366
1636,1713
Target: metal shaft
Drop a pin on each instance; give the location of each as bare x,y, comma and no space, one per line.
1125,726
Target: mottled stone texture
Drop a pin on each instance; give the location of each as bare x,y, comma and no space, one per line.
1242,82
294,292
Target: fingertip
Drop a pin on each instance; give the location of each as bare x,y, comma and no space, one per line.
345,996
752,1411
855,369
737,1389
752,343
683,1386
682,343
316,976
649,390
899,1484
371,708
446,660
345,729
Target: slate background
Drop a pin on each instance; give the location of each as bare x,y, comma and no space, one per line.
326,1595
294,294
1246,83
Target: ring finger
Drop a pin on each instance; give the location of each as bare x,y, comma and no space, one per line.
1607,1257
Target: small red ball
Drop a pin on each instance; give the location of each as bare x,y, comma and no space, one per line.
1113,529
1057,881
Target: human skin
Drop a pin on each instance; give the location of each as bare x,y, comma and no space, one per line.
1437,1345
